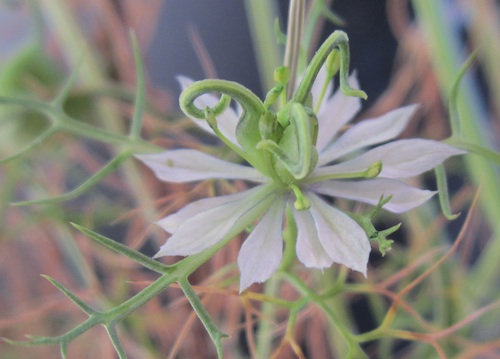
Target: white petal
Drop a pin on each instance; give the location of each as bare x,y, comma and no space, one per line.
368,133
400,159
207,228
191,165
404,197
343,239
260,254
335,113
309,249
226,121
173,221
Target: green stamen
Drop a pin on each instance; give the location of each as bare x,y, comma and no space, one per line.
302,202
371,172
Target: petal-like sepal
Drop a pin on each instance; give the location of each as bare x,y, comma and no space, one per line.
335,112
207,228
343,239
260,254
400,159
309,249
404,197
191,165
226,121
173,221
369,132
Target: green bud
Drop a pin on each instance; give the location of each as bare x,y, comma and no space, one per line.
282,75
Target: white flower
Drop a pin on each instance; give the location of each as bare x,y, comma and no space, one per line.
326,235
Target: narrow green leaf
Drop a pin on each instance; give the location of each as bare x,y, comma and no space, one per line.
113,336
64,350
45,135
333,17
482,151
58,101
70,295
202,313
126,251
453,100
135,130
280,36
89,183
444,198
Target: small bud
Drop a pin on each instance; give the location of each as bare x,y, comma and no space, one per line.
282,75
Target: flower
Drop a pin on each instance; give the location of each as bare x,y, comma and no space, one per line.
326,235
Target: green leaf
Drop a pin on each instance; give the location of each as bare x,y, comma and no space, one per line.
202,313
453,100
70,295
85,186
135,129
126,251
444,198
42,137
113,336
482,151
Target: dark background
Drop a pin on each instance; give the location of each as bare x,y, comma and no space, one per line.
223,27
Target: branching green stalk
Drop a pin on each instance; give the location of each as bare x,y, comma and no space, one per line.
354,351
92,75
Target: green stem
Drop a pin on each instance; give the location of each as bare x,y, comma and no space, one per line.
265,328
261,15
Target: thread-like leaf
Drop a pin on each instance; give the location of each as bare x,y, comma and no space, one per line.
89,183
42,137
215,334
135,129
70,295
444,198
113,336
453,101
126,251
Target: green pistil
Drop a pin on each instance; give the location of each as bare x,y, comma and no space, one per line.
302,202
371,172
